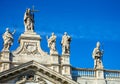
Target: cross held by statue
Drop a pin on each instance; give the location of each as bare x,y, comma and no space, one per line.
33,9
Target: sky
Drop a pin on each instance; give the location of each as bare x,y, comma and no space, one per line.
86,21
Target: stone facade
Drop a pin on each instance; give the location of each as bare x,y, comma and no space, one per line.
29,64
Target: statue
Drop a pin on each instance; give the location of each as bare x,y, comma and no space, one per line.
66,39
30,80
29,20
52,44
23,79
8,39
97,56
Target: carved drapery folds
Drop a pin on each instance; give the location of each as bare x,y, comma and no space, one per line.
52,44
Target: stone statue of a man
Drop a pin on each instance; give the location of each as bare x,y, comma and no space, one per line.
97,56
23,79
8,39
66,39
29,20
52,43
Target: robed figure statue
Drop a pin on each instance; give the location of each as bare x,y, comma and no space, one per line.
29,20
97,56
66,39
8,39
52,43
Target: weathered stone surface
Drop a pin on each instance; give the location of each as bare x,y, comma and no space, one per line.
33,72
30,49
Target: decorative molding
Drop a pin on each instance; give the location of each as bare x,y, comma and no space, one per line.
40,68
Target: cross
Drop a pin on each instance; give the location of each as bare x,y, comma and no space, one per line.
33,10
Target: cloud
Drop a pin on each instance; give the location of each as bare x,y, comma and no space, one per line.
49,33
96,32
91,32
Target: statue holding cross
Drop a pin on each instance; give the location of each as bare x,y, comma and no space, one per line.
29,20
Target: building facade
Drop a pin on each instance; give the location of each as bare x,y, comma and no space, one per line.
29,64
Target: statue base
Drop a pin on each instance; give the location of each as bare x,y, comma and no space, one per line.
53,52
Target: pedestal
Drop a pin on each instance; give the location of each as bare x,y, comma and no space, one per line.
5,60
55,62
100,76
65,65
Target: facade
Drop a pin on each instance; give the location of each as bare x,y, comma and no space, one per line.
29,64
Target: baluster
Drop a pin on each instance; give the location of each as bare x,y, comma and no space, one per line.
79,73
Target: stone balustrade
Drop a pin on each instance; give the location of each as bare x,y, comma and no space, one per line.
112,74
91,73
82,73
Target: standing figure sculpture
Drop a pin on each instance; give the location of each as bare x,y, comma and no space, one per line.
29,20
8,39
52,43
97,56
66,39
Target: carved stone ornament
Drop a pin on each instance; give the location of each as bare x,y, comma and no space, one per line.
30,79
30,48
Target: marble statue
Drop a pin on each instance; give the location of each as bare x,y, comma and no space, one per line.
66,39
29,20
8,39
23,79
52,43
97,56
31,80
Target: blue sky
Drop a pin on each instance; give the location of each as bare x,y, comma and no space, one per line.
86,21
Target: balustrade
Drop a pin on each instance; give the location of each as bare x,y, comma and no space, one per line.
109,74
90,73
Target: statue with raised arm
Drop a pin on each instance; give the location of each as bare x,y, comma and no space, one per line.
52,43
66,39
8,39
97,56
29,20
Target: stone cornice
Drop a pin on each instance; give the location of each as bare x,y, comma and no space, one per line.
38,67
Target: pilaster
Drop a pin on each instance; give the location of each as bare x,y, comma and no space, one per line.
65,65
100,76
5,60
55,62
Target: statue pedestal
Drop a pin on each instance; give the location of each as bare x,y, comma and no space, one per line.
100,76
53,52
65,59
55,62
99,73
29,49
29,36
5,60
65,65
100,81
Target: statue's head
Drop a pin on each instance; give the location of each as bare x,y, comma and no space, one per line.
53,33
65,33
7,29
98,44
28,10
